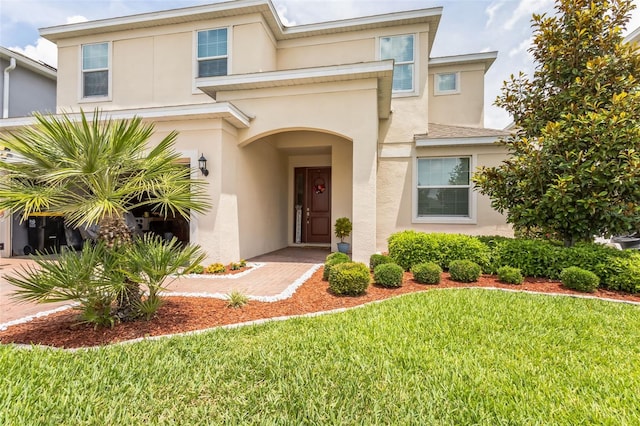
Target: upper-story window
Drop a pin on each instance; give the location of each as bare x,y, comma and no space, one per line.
95,70
401,49
212,52
447,83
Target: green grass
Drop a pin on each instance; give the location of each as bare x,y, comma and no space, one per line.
441,357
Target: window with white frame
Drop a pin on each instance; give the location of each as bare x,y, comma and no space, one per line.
447,83
95,70
444,187
212,52
401,50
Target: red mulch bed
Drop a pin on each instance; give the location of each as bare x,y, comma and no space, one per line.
181,314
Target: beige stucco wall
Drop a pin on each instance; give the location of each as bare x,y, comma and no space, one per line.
157,66
396,188
461,109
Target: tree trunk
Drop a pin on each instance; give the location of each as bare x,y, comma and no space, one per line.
569,240
114,232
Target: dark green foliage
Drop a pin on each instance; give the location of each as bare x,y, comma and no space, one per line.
378,259
625,274
408,248
543,258
464,271
579,279
349,278
535,258
573,169
332,260
510,275
426,273
388,275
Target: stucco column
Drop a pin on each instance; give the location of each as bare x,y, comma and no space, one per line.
364,196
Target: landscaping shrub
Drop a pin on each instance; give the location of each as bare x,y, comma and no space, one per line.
597,258
388,275
534,258
579,279
332,260
408,248
198,269
426,273
236,299
215,268
378,259
464,271
350,278
337,255
626,276
510,275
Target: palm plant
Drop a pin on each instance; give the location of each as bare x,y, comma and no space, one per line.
93,171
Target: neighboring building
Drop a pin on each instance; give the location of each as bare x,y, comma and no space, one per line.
299,125
633,37
27,86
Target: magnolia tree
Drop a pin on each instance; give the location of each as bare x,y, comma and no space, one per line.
574,164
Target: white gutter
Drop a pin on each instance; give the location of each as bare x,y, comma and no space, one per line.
5,88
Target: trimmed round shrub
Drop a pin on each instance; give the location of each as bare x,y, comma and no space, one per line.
510,275
198,269
388,275
579,279
350,278
332,260
426,273
379,259
337,255
464,271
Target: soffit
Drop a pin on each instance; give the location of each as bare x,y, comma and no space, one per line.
245,7
223,110
382,71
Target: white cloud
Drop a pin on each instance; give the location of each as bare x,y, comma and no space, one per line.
522,48
491,11
525,9
44,51
76,19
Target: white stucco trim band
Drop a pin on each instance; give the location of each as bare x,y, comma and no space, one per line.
224,110
380,70
487,140
488,58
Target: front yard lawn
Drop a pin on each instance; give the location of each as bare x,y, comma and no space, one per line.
439,357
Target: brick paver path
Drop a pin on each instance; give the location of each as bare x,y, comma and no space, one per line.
279,270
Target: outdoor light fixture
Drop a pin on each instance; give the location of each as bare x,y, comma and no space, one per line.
202,163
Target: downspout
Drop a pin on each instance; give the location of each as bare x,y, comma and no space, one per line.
5,88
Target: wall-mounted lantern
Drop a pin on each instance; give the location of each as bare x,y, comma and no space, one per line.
202,163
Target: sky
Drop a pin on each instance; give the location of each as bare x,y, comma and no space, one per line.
466,26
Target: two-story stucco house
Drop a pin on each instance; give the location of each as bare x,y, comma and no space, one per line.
299,125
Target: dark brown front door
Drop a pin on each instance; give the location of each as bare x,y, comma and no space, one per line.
312,218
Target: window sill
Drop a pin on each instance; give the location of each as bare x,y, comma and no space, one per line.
94,99
446,220
447,93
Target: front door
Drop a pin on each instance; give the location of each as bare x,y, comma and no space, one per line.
312,220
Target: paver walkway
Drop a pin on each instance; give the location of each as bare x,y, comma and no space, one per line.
277,271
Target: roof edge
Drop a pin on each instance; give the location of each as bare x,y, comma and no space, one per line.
32,64
488,58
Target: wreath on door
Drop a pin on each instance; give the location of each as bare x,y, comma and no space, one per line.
319,186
